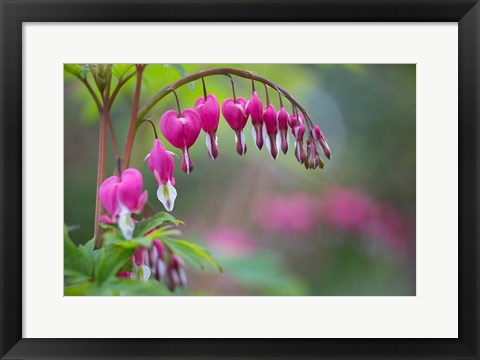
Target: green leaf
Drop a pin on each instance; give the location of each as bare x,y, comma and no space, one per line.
138,288
78,262
160,218
265,272
116,240
191,252
111,261
85,70
82,289
74,69
182,72
119,70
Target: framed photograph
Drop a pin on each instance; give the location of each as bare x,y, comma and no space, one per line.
239,180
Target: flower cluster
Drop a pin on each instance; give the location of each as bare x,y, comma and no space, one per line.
122,196
156,261
269,127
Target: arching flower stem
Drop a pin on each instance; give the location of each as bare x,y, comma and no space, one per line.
266,94
153,126
178,102
204,89
233,88
219,71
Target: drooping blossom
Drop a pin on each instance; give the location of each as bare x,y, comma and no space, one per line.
282,121
157,259
322,140
147,262
293,122
175,273
121,197
209,111
161,163
234,113
140,269
313,159
255,110
181,131
272,141
299,132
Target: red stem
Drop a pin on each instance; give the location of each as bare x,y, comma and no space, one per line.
127,151
101,172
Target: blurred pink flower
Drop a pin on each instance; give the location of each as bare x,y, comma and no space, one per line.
355,211
347,209
231,241
292,213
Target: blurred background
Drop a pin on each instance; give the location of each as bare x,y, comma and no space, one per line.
275,227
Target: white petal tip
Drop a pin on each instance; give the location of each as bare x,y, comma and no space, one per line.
167,195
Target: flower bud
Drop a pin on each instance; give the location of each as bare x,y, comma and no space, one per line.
299,132
140,256
322,140
124,275
293,123
209,111
282,121
157,262
255,110
313,157
162,166
181,131
236,116
270,121
176,275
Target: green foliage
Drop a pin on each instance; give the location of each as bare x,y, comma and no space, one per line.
74,69
110,262
78,262
264,272
160,218
191,252
182,72
120,70
94,272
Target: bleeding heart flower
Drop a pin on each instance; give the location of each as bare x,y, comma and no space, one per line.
209,111
293,123
255,110
322,140
299,132
160,162
235,114
272,138
156,256
181,131
123,196
282,121
313,159
124,275
108,195
176,275
140,256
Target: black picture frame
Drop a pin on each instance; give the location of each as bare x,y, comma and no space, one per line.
15,12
